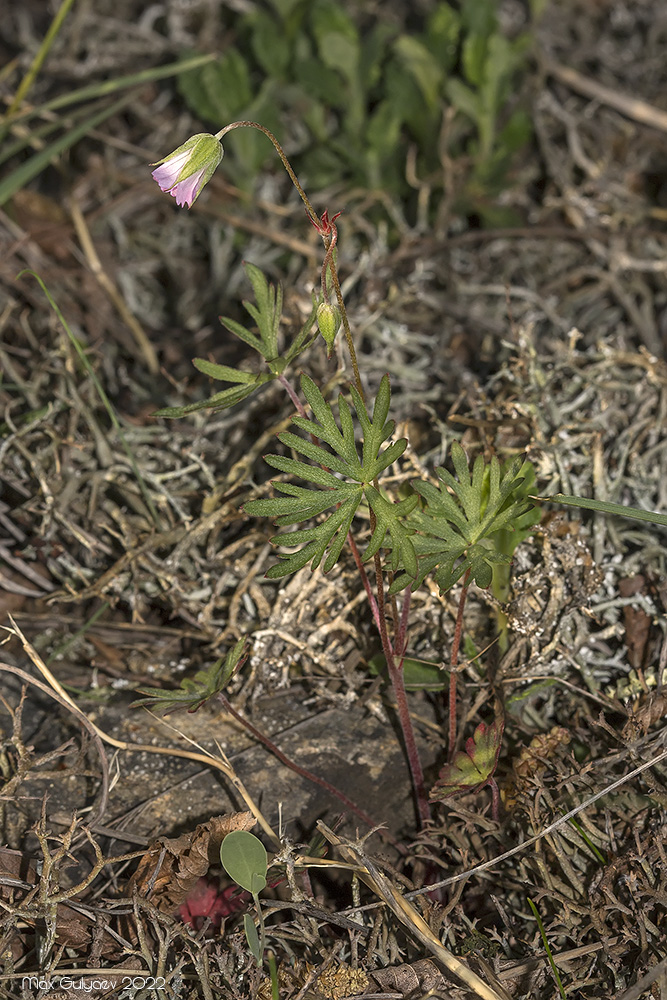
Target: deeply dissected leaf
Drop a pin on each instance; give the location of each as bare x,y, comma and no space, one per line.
463,524
474,766
194,692
266,312
342,496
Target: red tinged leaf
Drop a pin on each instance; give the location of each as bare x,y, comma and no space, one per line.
473,767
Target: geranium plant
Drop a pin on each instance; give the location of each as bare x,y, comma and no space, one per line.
446,532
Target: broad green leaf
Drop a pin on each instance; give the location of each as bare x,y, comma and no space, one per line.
269,44
244,858
479,17
217,91
474,766
464,99
442,36
422,65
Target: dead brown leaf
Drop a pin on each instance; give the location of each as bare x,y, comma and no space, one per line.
172,866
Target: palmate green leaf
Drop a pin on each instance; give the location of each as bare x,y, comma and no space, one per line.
342,496
390,517
464,522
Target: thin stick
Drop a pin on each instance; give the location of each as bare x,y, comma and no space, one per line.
408,915
97,814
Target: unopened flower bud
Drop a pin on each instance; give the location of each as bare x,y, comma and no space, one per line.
184,172
328,322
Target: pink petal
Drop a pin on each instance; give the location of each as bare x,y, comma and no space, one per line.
186,191
167,173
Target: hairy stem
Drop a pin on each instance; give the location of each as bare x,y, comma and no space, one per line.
281,153
364,579
329,235
401,637
298,405
453,663
346,326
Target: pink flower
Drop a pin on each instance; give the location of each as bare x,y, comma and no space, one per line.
184,172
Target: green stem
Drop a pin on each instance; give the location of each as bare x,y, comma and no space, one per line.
36,64
346,327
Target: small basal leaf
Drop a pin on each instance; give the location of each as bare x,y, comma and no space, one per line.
473,767
243,857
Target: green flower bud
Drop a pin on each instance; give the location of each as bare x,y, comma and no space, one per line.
328,322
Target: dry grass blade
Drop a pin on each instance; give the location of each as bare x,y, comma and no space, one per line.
143,343
410,918
204,758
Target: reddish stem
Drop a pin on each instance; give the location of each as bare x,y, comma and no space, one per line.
328,260
298,405
397,682
495,798
304,772
364,579
401,639
453,663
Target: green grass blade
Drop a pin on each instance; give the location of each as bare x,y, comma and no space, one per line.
607,508
107,87
41,54
34,166
547,949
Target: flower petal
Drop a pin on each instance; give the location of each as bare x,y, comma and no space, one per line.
187,191
167,174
